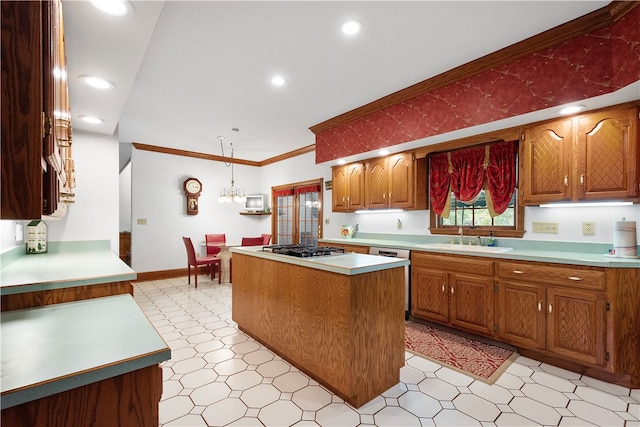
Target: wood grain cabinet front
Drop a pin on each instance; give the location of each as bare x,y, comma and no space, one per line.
396,181
453,290
589,157
559,310
348,187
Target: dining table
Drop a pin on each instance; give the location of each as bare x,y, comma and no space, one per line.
224,255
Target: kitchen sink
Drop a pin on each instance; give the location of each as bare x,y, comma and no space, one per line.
465,248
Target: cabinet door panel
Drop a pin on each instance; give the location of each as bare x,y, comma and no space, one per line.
607,168
339,189
545,163
429,295
355,186
376,184
472,303
521,314
401,181
576,325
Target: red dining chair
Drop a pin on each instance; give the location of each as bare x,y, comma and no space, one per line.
213,262
213,242
266,238
246,241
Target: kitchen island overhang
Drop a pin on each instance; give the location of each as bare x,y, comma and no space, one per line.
339,318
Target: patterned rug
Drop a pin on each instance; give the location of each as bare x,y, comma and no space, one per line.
482,361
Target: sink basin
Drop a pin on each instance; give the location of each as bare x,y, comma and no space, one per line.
465,248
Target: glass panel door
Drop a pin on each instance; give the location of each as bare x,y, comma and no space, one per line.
297,213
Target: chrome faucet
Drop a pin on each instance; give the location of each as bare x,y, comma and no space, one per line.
461,235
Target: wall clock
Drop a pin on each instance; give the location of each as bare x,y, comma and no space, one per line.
192,189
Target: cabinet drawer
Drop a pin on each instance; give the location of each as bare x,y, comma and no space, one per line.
457,264
570,276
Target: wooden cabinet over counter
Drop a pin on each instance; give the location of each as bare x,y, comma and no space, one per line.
397,181
589,157
37,167
339,318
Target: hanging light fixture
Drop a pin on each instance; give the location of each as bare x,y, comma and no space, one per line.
230,194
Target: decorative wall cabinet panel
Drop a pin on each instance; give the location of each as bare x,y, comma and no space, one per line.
348,187
589,157
37,168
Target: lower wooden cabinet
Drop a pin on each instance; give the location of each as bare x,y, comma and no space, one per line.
455,291
565,322
580,318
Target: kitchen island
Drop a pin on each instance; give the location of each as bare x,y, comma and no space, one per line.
337,318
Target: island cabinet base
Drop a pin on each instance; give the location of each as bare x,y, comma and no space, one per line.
127,400
345,331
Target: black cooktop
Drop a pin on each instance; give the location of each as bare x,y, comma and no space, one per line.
302,251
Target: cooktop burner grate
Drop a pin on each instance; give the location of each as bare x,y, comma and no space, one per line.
302,251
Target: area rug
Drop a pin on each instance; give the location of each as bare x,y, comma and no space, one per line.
477,359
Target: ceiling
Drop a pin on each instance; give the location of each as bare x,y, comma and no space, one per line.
187,72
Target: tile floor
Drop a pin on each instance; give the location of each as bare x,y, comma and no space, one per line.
219,376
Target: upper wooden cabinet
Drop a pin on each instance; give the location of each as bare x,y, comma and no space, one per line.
588,157
397,181
348,187
37,168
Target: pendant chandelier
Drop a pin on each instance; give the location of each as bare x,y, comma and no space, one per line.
230,194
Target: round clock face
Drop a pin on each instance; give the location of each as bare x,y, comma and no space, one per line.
193,186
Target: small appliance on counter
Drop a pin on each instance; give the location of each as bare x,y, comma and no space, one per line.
36,237
624,239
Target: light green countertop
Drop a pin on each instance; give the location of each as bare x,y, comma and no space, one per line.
51,349
589,254
348,264
67,264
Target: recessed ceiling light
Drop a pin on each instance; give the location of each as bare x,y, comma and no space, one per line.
112,7
97,82
351,27
571,109
277,80
92,120
383,152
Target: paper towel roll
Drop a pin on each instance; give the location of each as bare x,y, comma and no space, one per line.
624,238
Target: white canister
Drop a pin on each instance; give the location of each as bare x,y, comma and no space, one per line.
624,238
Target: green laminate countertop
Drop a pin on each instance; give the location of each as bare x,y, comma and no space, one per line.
348,264
55,348
68,264
590,254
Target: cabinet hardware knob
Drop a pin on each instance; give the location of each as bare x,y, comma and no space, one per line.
452,288
539,305
518,272
566,180
574,278
550,308
582,179
443,287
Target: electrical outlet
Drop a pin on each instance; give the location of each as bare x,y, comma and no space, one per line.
545,227
142,221
588,228
326,221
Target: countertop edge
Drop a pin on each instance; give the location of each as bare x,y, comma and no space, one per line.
537,255
58,385
320,263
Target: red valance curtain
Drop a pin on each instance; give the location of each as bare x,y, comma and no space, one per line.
466,172
284,192
308,189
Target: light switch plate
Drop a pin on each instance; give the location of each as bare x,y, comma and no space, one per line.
142,221
545,227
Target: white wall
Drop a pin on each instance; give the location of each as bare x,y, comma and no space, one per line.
125,198
95,213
